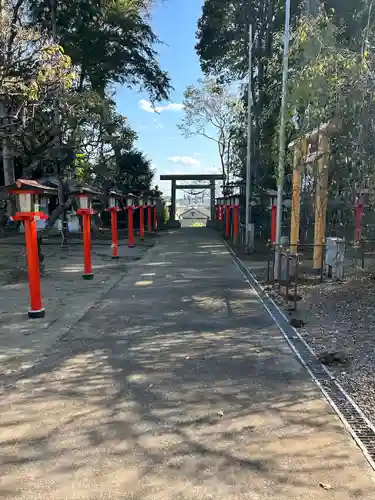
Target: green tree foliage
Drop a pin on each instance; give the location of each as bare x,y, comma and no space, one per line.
336,82
223,40
106,42
110,41
331,75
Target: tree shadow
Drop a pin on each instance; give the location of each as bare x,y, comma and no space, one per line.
180,389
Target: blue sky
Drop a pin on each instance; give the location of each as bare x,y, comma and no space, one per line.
175,22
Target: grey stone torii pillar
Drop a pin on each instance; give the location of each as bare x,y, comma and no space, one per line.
173,200
199,177
212,204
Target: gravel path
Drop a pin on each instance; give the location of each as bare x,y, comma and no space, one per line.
339,317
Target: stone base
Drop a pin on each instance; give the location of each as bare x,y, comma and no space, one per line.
36,314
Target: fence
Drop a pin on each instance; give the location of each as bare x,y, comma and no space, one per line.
292,272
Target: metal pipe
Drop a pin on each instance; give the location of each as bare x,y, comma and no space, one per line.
249,136
281,164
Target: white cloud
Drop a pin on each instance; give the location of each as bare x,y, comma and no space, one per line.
197,154
185,160
147,106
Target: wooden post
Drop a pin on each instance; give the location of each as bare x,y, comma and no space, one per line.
300,149
321,197
358,221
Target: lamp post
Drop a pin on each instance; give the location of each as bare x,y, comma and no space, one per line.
84,201
141,203
28,211
113,209
149,215
130,208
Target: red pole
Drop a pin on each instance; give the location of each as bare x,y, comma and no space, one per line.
155,218
87,264
227,221
236,222
358,221
114,234
36,309
130,228
149,219
142,222
273,224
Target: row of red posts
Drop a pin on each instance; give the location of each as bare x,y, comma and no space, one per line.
85,210
28,194
223,208
224,205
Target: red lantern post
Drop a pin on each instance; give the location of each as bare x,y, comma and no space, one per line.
130,209
85,211
227,217
113,209
27,193
236,219
221,209
141,219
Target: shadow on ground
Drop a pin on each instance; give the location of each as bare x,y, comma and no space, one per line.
177,386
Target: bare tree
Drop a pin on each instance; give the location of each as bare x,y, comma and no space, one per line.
211,111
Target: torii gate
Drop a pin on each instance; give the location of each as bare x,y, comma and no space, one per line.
198,177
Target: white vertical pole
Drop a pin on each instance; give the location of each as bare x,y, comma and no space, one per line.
281,164
248,152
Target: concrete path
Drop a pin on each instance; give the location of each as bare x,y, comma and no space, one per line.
65,296
176,387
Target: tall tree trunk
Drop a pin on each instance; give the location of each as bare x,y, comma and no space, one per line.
6,149
8,157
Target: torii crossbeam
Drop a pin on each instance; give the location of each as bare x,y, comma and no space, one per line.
212,178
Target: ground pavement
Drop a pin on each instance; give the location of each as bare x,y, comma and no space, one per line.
177,385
